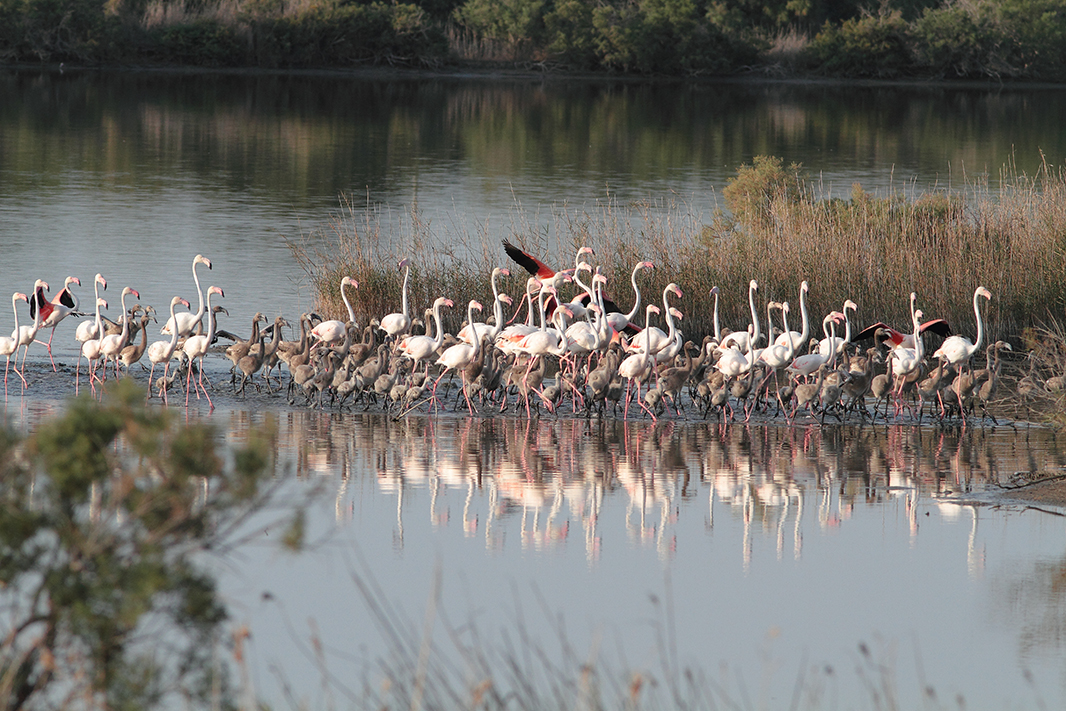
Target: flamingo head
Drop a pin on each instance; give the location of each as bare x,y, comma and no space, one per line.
446,301
918,315
216,290
675,289
101,281
403,263
849,304
713,291
72,280
40,284
101,303
131,290
506,299
476,305
584,267
676,314
503,271
653,309
599,278
784,307
753,285
984,292
586,250
646,265
914,297
349,281
19,295
804,287
178,300
201,259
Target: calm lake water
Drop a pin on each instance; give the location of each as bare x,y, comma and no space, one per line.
761,557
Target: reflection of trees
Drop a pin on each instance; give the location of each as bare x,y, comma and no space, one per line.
1033,601
551,479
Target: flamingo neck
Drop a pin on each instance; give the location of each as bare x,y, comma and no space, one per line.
717,327
636,291
347,305
406,276
754,318
438,339
805,330
200,294
980,323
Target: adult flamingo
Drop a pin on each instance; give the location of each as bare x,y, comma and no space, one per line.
743,339
333,331
420,348
112,345
657,340
185,322
397,324
90,350
467,333
619,321
88,330
799,338
63,304
459,356
834,346
28,334
907,360
9,345
163,352
196,347
958,350
806,365
778,356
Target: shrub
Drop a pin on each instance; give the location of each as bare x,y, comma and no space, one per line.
870,46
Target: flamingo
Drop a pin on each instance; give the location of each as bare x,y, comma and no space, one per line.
459,356
63,304
834,346
806,365
958,349
799,338
577,306
163,351
397,324
333,331
717,328
745,341
619,321
185,322
9,345
778,356
419,348
637,366
112,345
472,331
90,349
88,330
196,347
25,335
658,340
908,360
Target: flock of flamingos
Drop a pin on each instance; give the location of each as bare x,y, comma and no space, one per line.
601,359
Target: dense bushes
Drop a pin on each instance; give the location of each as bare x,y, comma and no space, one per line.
969,39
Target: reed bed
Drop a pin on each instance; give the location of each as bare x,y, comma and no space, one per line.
1008,235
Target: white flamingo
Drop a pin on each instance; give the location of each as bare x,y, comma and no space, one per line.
742,339
163,352
459,356
637,366
88,330
333,331
90,350
9,345
63,304
397,324
799,338
185,322
420,348
619,321
467,333
957,349
196,347
111,345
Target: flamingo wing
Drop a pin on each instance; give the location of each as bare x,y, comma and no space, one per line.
938,326
527,261
64,298
40,302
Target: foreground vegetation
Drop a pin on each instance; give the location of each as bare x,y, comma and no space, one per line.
982,39
875,250
107,599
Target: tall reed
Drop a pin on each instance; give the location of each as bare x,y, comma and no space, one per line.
1009,236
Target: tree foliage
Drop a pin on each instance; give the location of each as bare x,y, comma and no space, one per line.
106,517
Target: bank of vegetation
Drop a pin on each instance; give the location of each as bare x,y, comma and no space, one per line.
1009,237
952,39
